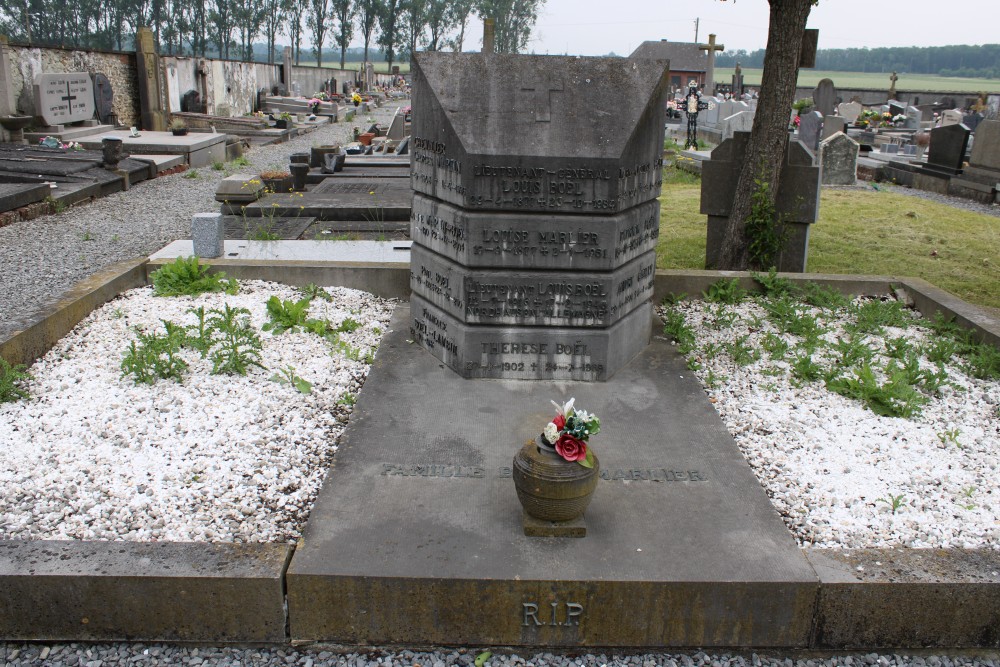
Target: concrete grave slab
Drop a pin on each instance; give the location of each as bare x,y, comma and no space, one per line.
416,536
16,195
200,149
342,198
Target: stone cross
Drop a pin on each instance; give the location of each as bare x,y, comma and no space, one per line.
711,47
542,89
892,87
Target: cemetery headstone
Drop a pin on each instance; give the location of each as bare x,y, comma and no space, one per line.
972,120
950,117
397,126
740,122
148,70
850,111
711,116
980,178
64,98
839,157
896,108
825,97
104,98
946,153
832,125
534,226
986,149
796,202
810,127
914,116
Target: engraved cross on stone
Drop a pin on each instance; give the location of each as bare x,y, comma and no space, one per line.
69,98
542,88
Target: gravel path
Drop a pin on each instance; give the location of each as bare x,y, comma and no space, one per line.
45,257
100,655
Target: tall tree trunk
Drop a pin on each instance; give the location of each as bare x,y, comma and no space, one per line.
769,135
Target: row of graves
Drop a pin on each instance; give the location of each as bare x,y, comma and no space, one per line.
331,192
930,147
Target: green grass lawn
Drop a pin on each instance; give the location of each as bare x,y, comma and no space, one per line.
877,80
864,232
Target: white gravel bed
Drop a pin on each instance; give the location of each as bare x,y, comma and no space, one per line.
832,467
44,257
226,458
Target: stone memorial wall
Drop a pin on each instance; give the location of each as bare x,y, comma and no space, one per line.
535,216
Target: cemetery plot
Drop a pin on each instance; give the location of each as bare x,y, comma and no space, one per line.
207,454
869,426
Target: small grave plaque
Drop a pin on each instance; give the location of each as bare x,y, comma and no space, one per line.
64,98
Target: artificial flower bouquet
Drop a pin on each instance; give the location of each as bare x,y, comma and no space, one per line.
569,431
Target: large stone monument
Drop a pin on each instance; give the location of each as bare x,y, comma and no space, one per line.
64,98
534,212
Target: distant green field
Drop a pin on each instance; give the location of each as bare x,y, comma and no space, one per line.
877,80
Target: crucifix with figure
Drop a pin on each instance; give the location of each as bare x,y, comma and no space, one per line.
692,106
711,47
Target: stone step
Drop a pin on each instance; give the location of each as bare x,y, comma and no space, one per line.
68,134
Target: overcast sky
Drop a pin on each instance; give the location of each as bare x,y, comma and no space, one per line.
598,27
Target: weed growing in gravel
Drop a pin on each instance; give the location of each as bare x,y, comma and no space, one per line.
950,437
236,346
313,291
347,399
157,356
191,174
87,236
893,398
873,315
725,291
240,161
895,503
826,298
287,376
349,325
805,370
772,285
678,330
286,315
186,277
198,336
218,165
776,346
13,381
741,351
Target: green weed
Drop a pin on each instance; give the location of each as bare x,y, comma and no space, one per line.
156,356
677,329
191,174
287,376
893,398
286,314
186,277
895,503
313,291
725,291
13,382
236,346
776,346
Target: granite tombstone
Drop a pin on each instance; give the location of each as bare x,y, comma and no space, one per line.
810,127
850,111
825,97
832,125
64,98
947,150
839,156
534,222
104,98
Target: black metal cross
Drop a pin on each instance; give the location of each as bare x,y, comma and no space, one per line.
543,89
693,105
69,98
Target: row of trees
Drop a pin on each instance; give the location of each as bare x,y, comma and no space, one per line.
959,60
228,28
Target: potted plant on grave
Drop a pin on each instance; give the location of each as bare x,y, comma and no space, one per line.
282,121
356,98
178,127
276,180
802,105
555,475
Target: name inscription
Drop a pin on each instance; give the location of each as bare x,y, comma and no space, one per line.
451,471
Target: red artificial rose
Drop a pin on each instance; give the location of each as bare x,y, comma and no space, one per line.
570,448
559,421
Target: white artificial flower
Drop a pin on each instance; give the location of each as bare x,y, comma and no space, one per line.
565,410
584,416
551,433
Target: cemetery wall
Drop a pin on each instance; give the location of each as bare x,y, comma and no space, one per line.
226,87
311,79
26,62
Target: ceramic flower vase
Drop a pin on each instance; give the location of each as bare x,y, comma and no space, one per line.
549,487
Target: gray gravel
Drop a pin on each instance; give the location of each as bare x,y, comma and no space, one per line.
98,655
43,258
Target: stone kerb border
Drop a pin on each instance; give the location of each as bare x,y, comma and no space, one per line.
106,591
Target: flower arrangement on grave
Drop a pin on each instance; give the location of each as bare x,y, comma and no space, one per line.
314,105
322,96
569,432
52,142
898,119
801,105
356,98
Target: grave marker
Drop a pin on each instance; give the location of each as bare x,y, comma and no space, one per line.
104,98
850,111
832,125
64,98
825,97
739,122
534,224
810,127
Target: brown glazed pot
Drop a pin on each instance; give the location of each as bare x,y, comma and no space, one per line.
551,488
